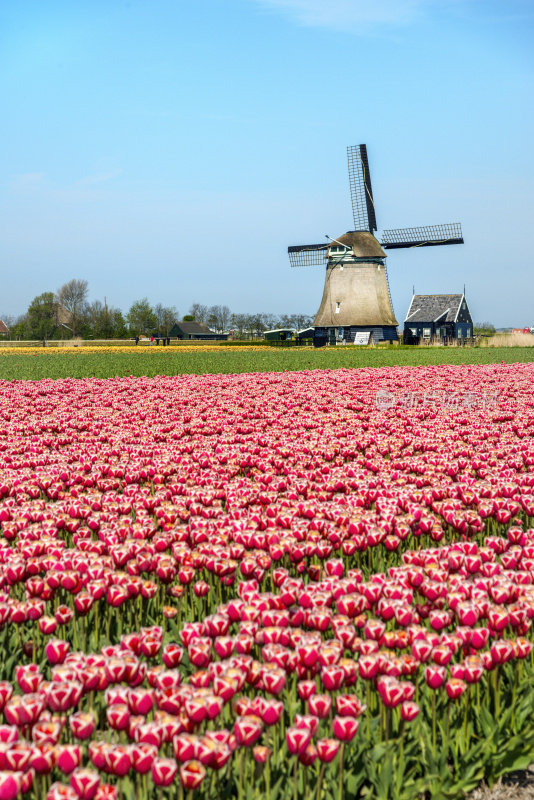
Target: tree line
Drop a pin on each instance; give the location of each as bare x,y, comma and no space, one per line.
68,313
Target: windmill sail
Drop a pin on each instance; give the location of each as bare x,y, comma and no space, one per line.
426,236
361,191
307,255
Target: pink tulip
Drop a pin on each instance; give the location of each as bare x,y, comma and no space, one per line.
345,728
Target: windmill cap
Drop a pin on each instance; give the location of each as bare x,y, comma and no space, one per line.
363,243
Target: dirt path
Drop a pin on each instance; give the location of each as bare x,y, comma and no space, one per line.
516,786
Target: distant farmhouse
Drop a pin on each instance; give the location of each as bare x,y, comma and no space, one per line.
437,316
4,330
193,330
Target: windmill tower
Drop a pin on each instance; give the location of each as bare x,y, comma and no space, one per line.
356,304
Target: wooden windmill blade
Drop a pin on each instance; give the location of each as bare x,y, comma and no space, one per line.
426,236
307,255
361,191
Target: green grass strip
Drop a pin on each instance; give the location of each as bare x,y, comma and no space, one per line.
145,362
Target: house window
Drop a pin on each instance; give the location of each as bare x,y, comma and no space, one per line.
426,333
468,331
338,307
460,333
413,331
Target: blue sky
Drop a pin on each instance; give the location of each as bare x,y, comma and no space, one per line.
174,149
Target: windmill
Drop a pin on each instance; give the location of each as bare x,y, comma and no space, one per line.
356,304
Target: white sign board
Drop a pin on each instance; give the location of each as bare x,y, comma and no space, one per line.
362,337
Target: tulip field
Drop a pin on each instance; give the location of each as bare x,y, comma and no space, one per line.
307,585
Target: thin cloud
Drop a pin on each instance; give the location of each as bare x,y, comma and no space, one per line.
346,14
27,180
357,16
101,177
39,187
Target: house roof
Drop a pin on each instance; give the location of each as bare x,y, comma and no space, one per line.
434,308
3,327
192,327
280,330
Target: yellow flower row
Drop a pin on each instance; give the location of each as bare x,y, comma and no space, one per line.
71,350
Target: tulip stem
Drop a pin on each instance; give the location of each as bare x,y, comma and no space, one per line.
97,625
434,724
466,726
267,778
240,787
320,781
341,754
447,730
295,786
401,753
368,704
497,695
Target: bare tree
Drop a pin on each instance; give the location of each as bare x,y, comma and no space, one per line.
72,296
257,323
15,325
9,320
224,317
270,321
213,318
302,321
238,323
219,318
249,324
166,317
199,312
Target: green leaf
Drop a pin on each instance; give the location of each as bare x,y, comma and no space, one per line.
128,789
377,753
384,780
487,722
353,782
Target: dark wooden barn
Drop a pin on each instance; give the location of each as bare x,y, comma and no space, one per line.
305,333
193,330
443,317
279,335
